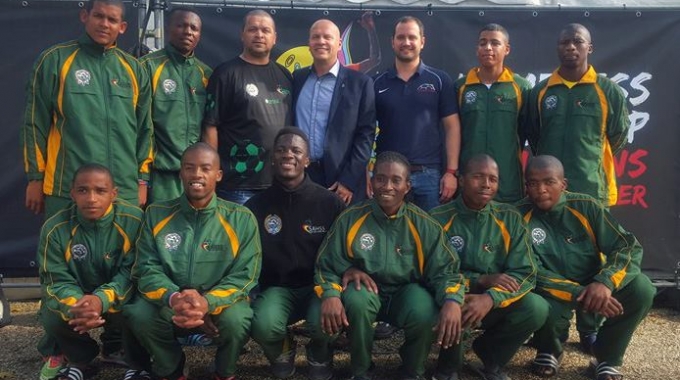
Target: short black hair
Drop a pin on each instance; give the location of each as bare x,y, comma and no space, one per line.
544,162
200,146
477,158
405,19
396,157
93,167
292,131
182,9
119,3
493,27
257,12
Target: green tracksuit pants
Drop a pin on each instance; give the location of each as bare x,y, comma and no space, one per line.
274,309
78,348
614,335
505,330
411,308
165,185
153,328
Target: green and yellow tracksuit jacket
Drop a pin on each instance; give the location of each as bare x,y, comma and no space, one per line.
492,122
579,242
409,247
584,127
215,250
178,90
491,240
87,104
78,257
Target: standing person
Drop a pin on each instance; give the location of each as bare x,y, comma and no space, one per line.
570,233
294,215
88,101
335,107
491,99
409,274
198,258
581,118
178,81
84,257
498,264
249,101
412,101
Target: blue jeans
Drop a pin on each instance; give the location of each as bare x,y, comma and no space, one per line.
425,188
236,196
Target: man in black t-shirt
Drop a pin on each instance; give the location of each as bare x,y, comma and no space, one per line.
249,101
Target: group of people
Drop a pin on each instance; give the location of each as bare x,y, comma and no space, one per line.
251,224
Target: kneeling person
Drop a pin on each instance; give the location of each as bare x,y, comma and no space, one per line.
198,258
401,252
294,215
497,262
84,257
570,233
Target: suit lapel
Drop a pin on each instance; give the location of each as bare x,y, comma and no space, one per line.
337,93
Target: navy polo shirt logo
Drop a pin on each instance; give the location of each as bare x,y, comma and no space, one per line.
426,88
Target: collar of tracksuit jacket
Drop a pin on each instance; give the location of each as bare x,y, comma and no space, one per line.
177,57
104,222
189,210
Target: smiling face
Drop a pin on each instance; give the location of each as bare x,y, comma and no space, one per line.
390,183
324,42
545,186
200,171
93,192
289,159
492,48
184,31
103,23
479,183
407,41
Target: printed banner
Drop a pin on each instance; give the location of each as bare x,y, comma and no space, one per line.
630,47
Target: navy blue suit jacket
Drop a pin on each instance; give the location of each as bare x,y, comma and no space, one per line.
351,128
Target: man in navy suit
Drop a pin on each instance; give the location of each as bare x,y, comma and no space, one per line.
335,107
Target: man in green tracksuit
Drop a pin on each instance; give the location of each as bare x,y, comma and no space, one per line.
88,101
570,233
580,117
402,252
84,256
491,100
499,269
178,81
198,258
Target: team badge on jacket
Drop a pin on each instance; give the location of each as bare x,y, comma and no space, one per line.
172,241
83,77
252,90
272,224
550,102
538,236
458,243
367,241
169,86
79,251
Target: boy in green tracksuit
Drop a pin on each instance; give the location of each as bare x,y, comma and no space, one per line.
570,233
87,101
492,100
178,81
499,268
579,117
84,256
412,276
198,258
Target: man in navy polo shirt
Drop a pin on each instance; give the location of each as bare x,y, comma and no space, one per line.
412,99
